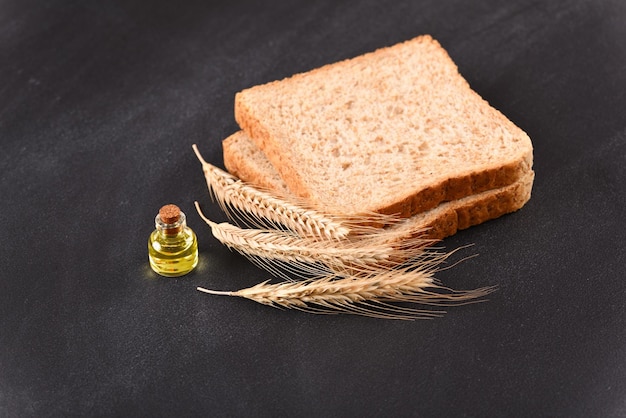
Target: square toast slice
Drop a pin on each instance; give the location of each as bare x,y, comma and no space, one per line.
396,131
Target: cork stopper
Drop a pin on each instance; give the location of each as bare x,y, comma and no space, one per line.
169,214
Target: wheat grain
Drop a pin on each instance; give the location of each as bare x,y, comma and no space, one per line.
307,256
370,295
359,265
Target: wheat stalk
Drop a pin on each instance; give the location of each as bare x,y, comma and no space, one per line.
368,296
305,254
230,192
350,265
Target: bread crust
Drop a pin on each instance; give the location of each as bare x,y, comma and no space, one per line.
450,217
493,205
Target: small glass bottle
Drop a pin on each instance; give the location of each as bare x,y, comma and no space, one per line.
172,246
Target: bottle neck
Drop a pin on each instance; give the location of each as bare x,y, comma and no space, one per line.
170,229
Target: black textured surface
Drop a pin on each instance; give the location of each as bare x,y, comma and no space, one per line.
99,105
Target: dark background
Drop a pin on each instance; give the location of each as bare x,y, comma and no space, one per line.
100,103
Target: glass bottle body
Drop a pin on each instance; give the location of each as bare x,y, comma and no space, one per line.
172,249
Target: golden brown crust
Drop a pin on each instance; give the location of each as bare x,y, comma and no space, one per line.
451,217
458,188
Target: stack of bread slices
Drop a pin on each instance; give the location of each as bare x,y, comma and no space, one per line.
396,131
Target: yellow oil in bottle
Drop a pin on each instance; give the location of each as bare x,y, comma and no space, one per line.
172,246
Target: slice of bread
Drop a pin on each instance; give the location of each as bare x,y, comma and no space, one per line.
245,160
395,131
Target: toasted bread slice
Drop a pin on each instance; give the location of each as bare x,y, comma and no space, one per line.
395,131
245,160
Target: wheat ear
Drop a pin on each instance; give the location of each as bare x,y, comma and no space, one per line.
368,296
305,254
230,192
